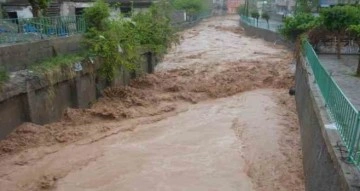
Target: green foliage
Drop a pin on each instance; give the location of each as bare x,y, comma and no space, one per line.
96,15
242,10
337,19
56,63
4,76
299,24
154,36
190,6
255,14
39,6
303,6
119,42
354,31
265,16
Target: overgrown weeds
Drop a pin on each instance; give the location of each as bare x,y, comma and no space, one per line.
119,42
56,64
4,76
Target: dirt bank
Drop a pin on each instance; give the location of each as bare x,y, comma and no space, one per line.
186,127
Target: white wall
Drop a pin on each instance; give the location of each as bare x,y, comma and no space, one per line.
68,8
22,11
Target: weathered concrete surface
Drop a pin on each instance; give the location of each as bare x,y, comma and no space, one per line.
16,57
324,168
31,98
265,34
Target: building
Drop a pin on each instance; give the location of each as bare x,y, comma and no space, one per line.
22,9
284,7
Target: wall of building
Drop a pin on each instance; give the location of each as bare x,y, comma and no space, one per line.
23,12
68,8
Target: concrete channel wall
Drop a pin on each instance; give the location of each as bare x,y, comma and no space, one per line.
40,101
265,34
20,56
326,167
36,100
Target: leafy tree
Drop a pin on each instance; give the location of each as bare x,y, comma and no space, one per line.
96,15
242,10
190,6
255,15
337,19
39,6
295,26
119,42
266,17
354,31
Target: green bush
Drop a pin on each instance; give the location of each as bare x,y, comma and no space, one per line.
4,76
299,24
97,14
190,6
120,42
337,19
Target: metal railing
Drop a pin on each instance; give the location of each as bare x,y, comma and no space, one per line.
261,23
32,29
345,115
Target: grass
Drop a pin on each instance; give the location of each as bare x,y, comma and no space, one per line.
4,76
56,63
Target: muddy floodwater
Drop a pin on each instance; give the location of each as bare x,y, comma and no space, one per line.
215,116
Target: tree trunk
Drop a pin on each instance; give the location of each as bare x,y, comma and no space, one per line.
338,46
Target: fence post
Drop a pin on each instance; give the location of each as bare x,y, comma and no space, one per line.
353,143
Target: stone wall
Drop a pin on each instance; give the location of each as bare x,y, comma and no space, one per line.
20,56
324,167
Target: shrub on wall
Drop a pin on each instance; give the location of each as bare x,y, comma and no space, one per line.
299,24
120,42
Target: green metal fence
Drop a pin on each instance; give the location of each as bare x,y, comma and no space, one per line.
261,23
345,115
26,30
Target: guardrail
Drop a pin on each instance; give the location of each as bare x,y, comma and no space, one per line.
345,115
32,29
271,25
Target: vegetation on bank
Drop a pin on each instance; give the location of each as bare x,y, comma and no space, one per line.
56,63
338,22
119,42
4,76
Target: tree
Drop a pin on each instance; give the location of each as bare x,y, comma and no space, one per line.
39,7
96,15
299,24
354,31
266,17
191,7
242,10
337,19
255,15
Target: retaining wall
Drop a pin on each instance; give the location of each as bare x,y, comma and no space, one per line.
20,56
265,34
325,165
29,98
